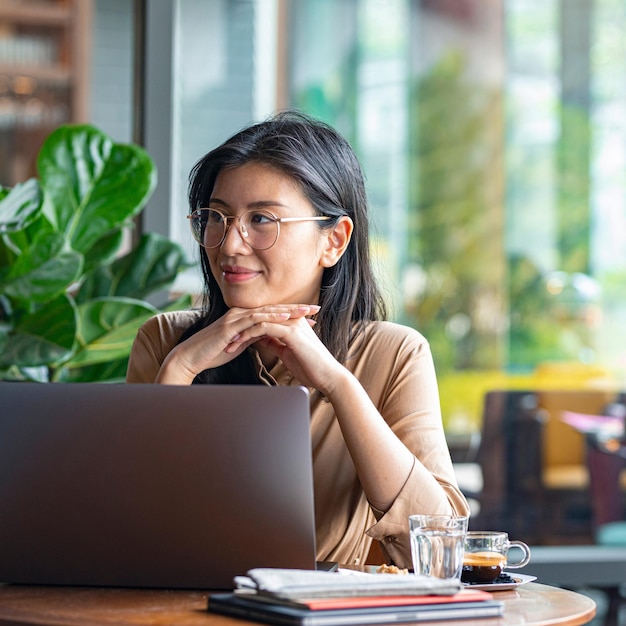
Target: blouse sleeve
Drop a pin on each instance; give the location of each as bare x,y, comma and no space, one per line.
154,341
409,402
144,362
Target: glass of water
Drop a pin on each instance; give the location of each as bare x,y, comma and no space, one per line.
437,544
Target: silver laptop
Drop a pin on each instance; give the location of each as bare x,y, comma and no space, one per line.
152,485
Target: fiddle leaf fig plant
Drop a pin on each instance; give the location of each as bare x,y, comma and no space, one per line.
73,293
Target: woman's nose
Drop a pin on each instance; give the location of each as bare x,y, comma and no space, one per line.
233,239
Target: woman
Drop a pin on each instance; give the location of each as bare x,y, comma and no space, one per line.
280,213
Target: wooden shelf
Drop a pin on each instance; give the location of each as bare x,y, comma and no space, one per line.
47,44
35,14
56,74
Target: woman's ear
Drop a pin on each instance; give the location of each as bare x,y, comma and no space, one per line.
337,241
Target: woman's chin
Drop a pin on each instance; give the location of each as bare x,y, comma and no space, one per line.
244,303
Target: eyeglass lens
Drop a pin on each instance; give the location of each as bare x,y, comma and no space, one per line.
258,228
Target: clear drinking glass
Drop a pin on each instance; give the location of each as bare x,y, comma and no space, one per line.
437,543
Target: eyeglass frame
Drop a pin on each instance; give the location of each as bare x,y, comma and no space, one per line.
242,233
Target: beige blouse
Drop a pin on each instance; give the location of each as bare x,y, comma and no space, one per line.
395,366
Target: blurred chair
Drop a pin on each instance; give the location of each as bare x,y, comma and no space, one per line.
510,458
606,460
565,463
566,468
534,467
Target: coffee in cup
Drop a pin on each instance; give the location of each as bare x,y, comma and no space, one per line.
486,554
482,567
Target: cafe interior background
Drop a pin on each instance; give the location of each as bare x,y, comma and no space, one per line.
493,138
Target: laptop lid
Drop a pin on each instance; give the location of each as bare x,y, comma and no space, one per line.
153,485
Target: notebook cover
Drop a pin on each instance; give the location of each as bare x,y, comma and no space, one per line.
235,605
320,604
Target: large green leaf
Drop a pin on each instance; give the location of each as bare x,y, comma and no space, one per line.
19,206
20,240
39,374
5,328
107,329
113,370
42,337
7,258
104,250
152,265
149,267
93,184
20,228
63,234
108,372
43,270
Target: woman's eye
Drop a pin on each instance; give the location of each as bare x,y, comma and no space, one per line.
213,217
261,218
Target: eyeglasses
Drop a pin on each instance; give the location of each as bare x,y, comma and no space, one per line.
259,229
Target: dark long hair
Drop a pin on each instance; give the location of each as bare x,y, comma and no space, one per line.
328,172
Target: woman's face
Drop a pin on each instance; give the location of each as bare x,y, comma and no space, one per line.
290,272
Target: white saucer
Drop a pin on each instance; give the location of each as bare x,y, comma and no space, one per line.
518,579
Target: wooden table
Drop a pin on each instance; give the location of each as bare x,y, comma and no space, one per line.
529,605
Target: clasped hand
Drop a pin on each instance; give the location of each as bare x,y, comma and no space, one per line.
283,330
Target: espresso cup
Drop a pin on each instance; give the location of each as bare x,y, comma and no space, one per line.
486,555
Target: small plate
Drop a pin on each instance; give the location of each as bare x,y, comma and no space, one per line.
518,579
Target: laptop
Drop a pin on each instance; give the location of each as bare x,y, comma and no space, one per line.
153,485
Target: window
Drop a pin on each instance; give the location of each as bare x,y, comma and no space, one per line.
492,139
492,134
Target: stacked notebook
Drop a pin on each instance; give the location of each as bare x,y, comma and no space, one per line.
315,598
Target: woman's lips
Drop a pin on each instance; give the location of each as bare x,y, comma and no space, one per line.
238,274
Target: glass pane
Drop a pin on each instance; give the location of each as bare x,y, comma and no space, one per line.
608,194
532,101
492,136
349,66
112,64
213,92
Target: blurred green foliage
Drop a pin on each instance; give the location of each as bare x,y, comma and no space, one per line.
72,296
